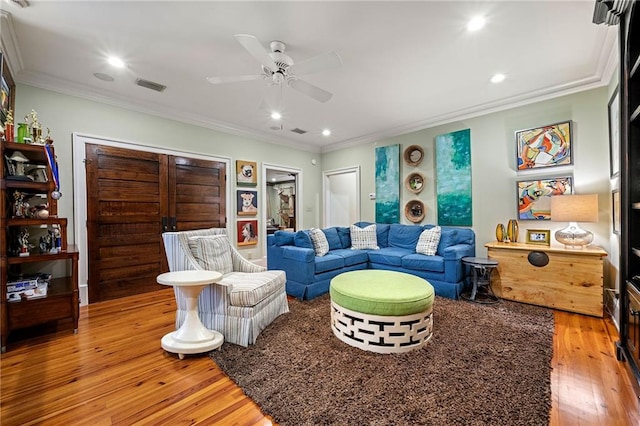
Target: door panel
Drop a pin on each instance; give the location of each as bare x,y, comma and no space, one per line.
129,193
197,193
126,202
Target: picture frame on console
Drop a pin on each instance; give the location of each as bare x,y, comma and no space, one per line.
539,236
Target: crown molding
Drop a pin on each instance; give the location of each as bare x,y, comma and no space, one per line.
9,43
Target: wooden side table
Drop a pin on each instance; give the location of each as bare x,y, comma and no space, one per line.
555,277
192,337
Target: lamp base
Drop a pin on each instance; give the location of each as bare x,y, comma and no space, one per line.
574,237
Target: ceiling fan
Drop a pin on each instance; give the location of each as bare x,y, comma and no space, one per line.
278,68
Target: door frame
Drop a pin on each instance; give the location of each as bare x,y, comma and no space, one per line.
263,202
79,142
325,191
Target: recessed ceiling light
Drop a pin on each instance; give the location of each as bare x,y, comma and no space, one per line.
102,76
498,78
273,179
326,132
116,62
276,115
476,23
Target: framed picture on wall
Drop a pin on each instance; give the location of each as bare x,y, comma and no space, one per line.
247,232
247,202
534,196
615,205
247,173
614,133
545,146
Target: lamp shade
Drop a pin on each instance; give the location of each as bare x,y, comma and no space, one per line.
574,208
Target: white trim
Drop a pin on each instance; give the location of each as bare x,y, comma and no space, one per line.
325,188
79,141
263,199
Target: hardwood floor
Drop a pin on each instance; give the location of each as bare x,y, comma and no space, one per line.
113,372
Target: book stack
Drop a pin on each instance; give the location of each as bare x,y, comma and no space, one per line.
27,287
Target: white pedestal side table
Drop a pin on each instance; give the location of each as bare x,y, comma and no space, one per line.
192,337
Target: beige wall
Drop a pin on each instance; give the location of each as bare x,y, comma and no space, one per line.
65,115
493,154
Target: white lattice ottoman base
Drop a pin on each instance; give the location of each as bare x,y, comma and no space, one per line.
382,334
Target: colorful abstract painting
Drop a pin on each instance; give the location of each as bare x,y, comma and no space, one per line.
534,196
453,178
544,146
388,184
247,232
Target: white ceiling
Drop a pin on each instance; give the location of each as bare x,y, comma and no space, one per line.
406,65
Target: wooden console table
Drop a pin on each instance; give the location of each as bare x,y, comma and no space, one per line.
571,280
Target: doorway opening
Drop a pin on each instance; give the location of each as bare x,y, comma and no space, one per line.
282,199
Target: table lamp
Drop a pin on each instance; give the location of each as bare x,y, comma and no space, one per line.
573,209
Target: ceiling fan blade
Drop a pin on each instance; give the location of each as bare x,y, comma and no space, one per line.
234,78
257,50
309,89
317,63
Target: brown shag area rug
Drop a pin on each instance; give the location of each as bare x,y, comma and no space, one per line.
484,365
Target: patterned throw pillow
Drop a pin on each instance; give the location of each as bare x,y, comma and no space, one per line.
428,241
363,238
213,253
319,240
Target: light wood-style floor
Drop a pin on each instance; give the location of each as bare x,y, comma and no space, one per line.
113,372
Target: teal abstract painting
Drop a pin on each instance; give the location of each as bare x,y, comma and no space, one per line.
453,178
388,184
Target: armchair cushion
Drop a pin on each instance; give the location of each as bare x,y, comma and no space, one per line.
213,253
249,289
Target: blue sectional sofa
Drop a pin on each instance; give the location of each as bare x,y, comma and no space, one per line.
308,275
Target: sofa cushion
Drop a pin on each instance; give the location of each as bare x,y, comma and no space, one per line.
249,289
448,238
302,239
351,257
363,238
329,262
382,232
332,238
404,236
345,236
284,238
389,256
422,262
319,241
428,241
213,253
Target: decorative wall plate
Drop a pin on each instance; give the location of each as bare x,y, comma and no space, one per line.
413,155
414,210
415,182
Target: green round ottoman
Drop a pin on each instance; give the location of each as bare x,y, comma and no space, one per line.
382,311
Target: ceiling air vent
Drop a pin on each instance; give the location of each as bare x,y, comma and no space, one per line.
150,85
299,131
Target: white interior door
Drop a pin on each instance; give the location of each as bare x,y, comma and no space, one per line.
341,197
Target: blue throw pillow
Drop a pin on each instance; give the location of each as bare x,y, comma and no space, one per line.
448,238
345,236
284,238
302,239
333,238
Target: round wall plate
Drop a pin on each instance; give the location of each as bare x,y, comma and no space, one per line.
414,210
413,155
415,182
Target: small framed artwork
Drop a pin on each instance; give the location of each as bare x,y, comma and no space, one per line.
539,236
246,173
247,203
614,133
615,205
534,196
247,232
545,146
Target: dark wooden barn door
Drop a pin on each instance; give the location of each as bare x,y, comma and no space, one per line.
197,193
132,197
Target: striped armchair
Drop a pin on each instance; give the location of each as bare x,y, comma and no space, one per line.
247,298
